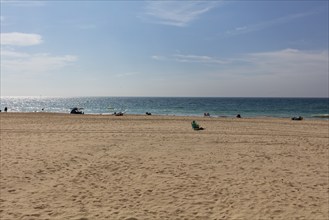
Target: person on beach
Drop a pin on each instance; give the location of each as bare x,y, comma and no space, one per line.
297,118
6,109
196,126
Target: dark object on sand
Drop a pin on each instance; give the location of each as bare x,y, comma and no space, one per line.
206,114
297,118
238,116
76,110
6,109
196,126
148,113
118,113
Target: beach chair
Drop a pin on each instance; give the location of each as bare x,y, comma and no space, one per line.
196,126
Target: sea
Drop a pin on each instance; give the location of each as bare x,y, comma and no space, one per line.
180,106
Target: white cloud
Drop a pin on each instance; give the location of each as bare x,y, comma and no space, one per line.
24,3
20,39
157,57
128,74
198,59
17,62
287,72
289,61
13,54
190,58
13,62
176,13
267,24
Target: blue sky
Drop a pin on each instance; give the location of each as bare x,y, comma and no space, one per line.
164,48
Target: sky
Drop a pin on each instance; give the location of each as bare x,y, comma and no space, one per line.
164,48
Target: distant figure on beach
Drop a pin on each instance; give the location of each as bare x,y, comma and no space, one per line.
148,113
76,110
206,114
6,109
196,126
238,116
118,113
297,118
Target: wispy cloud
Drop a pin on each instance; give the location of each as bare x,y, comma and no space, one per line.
157,57
190,58
244,29
14,62
287,72
13,54
24,3
128,74
176,13
291,62
20,39
288,61
285,66
198,59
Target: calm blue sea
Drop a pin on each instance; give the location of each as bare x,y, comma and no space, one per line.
217,107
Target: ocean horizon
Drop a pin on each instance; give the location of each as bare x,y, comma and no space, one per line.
317,107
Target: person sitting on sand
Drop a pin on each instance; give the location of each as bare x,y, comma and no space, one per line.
118,113
297,118
196,126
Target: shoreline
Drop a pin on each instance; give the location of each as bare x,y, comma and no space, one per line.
184,106
182,116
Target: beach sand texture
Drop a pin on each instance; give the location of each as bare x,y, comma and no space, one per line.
85,167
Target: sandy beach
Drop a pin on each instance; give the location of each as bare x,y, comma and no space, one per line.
85,167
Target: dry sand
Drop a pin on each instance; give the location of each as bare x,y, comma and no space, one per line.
60,166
